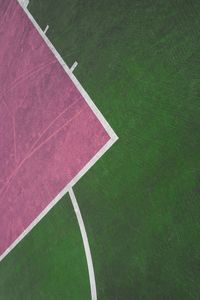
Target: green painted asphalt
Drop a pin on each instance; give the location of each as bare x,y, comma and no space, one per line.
139,61
49,263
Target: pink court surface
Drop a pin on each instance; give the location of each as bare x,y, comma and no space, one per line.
50,131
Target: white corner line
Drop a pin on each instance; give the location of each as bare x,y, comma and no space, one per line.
47,27
75,64
24,3
86,245
84,94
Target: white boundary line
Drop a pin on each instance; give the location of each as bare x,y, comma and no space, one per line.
110,131
85,95
93,288
58,197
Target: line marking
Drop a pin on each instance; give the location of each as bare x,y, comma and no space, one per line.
85,95
24,3
99,154
75,64
86,245
66,189
47,27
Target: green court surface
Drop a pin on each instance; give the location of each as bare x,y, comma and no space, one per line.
48,263
139,62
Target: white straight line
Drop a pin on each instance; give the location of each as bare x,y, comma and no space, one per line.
85,95
59,196
75,64
47,27
86,245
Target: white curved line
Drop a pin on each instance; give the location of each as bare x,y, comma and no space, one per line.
86,245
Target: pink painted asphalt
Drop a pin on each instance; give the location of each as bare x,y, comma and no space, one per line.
48,132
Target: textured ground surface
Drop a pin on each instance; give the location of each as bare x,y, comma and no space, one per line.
139,60
48,131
